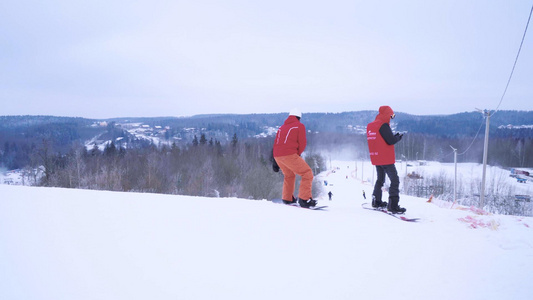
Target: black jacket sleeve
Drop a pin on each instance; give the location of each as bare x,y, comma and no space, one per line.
387,135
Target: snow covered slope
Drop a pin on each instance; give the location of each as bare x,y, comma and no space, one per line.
80,244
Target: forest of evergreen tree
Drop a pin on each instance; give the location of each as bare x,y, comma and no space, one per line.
203,168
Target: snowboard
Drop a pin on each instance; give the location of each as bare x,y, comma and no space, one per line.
279,201
385,211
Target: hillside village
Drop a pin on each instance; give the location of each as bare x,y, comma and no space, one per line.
158,135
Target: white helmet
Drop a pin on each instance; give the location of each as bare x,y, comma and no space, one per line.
295,112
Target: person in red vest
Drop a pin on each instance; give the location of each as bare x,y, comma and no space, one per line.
381,142
290,142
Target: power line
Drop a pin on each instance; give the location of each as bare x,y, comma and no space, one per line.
474,139
515,61
469,146
506,86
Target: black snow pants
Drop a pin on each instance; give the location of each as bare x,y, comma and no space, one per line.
394,190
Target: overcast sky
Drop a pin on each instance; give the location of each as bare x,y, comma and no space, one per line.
102,59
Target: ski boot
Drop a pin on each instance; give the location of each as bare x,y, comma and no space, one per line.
292,202
307,203
393,206
378,203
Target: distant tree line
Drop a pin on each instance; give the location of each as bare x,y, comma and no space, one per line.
21,136
202,168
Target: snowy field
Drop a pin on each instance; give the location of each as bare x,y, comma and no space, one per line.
10,177
467,173
80,244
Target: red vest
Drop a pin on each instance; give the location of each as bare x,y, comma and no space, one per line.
291,138
381,153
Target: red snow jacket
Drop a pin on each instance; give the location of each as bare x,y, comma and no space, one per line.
291,138
380,138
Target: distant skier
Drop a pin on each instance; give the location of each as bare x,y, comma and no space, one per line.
290,142
330,194
381,142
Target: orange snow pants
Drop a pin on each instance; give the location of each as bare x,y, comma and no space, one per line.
292,165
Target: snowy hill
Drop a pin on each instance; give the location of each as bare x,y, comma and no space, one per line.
81,244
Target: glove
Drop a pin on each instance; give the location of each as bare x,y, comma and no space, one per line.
275,166
398,136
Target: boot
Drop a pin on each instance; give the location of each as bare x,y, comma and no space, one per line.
378,203
292,202
393,206
397,210
307,203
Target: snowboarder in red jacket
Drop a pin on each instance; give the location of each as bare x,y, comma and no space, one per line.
381,142
290,142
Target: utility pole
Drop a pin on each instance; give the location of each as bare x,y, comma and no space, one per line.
486,113
362,171
455,180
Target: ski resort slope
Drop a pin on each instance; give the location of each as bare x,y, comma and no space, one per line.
81,244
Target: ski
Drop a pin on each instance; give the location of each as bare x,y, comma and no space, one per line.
384,210
279,201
